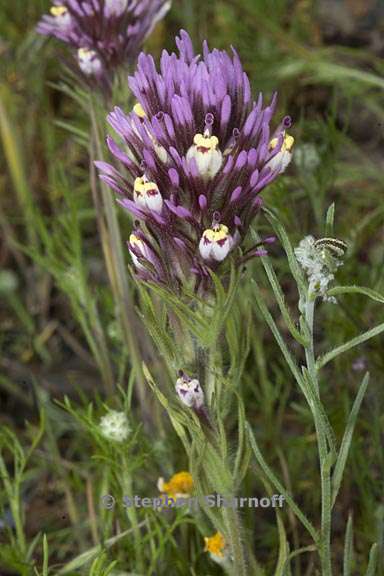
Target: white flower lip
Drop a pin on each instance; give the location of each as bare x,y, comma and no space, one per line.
89,62
216,243
208,158
190,392
147,195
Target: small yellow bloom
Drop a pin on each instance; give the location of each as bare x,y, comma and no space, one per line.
217,233
287,144
205,143
179,486
143,186
215,544
58,10
139,110
135,241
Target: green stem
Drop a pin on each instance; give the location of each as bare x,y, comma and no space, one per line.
233,526
325,468
132,516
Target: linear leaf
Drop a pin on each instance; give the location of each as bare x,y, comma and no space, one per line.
323,360
372,563
337,290
348,548
347,438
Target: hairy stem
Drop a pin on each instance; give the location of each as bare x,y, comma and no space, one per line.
233,526
325,468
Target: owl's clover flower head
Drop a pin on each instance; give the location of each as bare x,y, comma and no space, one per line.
114,426
113,31
197,152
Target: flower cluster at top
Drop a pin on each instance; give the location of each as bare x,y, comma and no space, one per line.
197,151
320,259
105,33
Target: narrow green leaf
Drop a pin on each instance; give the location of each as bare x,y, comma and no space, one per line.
279,295
337,290
329,220
295,553
348,548
347,438
92,553
296,271
45,555
323,360
372,563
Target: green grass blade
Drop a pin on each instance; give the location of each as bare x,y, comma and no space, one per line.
372,563
348,548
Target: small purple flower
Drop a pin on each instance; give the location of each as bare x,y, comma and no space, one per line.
105,33
197,151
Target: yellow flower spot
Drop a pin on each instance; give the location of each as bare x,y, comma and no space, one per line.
139,110
205,143
287,143
181,484
142,186
218,233
215,544
135,241
58,10
84,52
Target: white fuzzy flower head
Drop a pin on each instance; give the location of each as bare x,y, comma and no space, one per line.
114,426
190,392
320,259
89,62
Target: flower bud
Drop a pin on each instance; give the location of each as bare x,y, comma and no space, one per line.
190,392
89,62
147,195
280,161
216,243
138,250
62,17
207,157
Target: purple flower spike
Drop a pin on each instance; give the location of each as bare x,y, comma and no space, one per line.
201,151
103,33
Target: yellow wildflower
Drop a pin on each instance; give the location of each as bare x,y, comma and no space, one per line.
179,486
215,544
